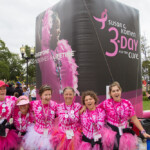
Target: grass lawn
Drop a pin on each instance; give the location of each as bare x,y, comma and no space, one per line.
146,105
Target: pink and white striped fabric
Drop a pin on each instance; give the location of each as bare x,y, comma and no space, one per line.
22,121
72,121
117,112
9,106
92,121
41,121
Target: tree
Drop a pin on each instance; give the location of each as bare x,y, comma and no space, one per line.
145,51
10,63
16,68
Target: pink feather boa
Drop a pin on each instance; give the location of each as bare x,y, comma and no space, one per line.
68,69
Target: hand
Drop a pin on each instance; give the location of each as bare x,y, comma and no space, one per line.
146,135
83,109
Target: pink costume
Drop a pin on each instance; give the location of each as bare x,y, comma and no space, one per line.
59,69
10,139
37,136
92,123
67,136
117,116
22,121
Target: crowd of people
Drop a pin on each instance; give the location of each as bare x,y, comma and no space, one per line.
45,125
20,89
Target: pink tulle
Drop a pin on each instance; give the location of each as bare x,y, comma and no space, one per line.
128,142
87,146
60,142
108,138
9,142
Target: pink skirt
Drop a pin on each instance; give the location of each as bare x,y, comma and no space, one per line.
10,141
127,140
60,141
87,146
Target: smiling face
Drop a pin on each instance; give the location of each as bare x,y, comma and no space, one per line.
24,108
115,93
68,96
89,102
2,93
46,96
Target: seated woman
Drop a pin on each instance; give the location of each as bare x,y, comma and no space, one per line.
22,117
39,135
92,121
67,136
117,135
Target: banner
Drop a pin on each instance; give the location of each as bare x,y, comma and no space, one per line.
87,45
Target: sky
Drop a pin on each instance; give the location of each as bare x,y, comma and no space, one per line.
17,20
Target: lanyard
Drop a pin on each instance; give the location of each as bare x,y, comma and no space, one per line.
3,109
93,119
44,112
72,108
72,115
120,117
20,120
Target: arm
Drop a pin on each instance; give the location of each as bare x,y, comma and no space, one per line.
83,109
137,123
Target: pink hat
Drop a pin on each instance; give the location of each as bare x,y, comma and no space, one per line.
23,100
2,83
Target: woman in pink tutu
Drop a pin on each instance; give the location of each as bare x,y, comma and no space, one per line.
67,135
38,136
8,136
92,121
117,135
22,116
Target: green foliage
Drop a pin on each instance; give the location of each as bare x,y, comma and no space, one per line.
144,93
146,105
145,52
10,63
145,98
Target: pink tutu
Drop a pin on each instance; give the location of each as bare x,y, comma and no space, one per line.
128,142
10,141
60,141
87,146
108,138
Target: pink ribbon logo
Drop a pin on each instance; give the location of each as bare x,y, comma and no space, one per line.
102,19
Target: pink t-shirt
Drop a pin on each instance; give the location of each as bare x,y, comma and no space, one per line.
92,121
117,112
44,115
6,107
68,116
22,121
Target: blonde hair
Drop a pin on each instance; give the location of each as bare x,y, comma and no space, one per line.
115,83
